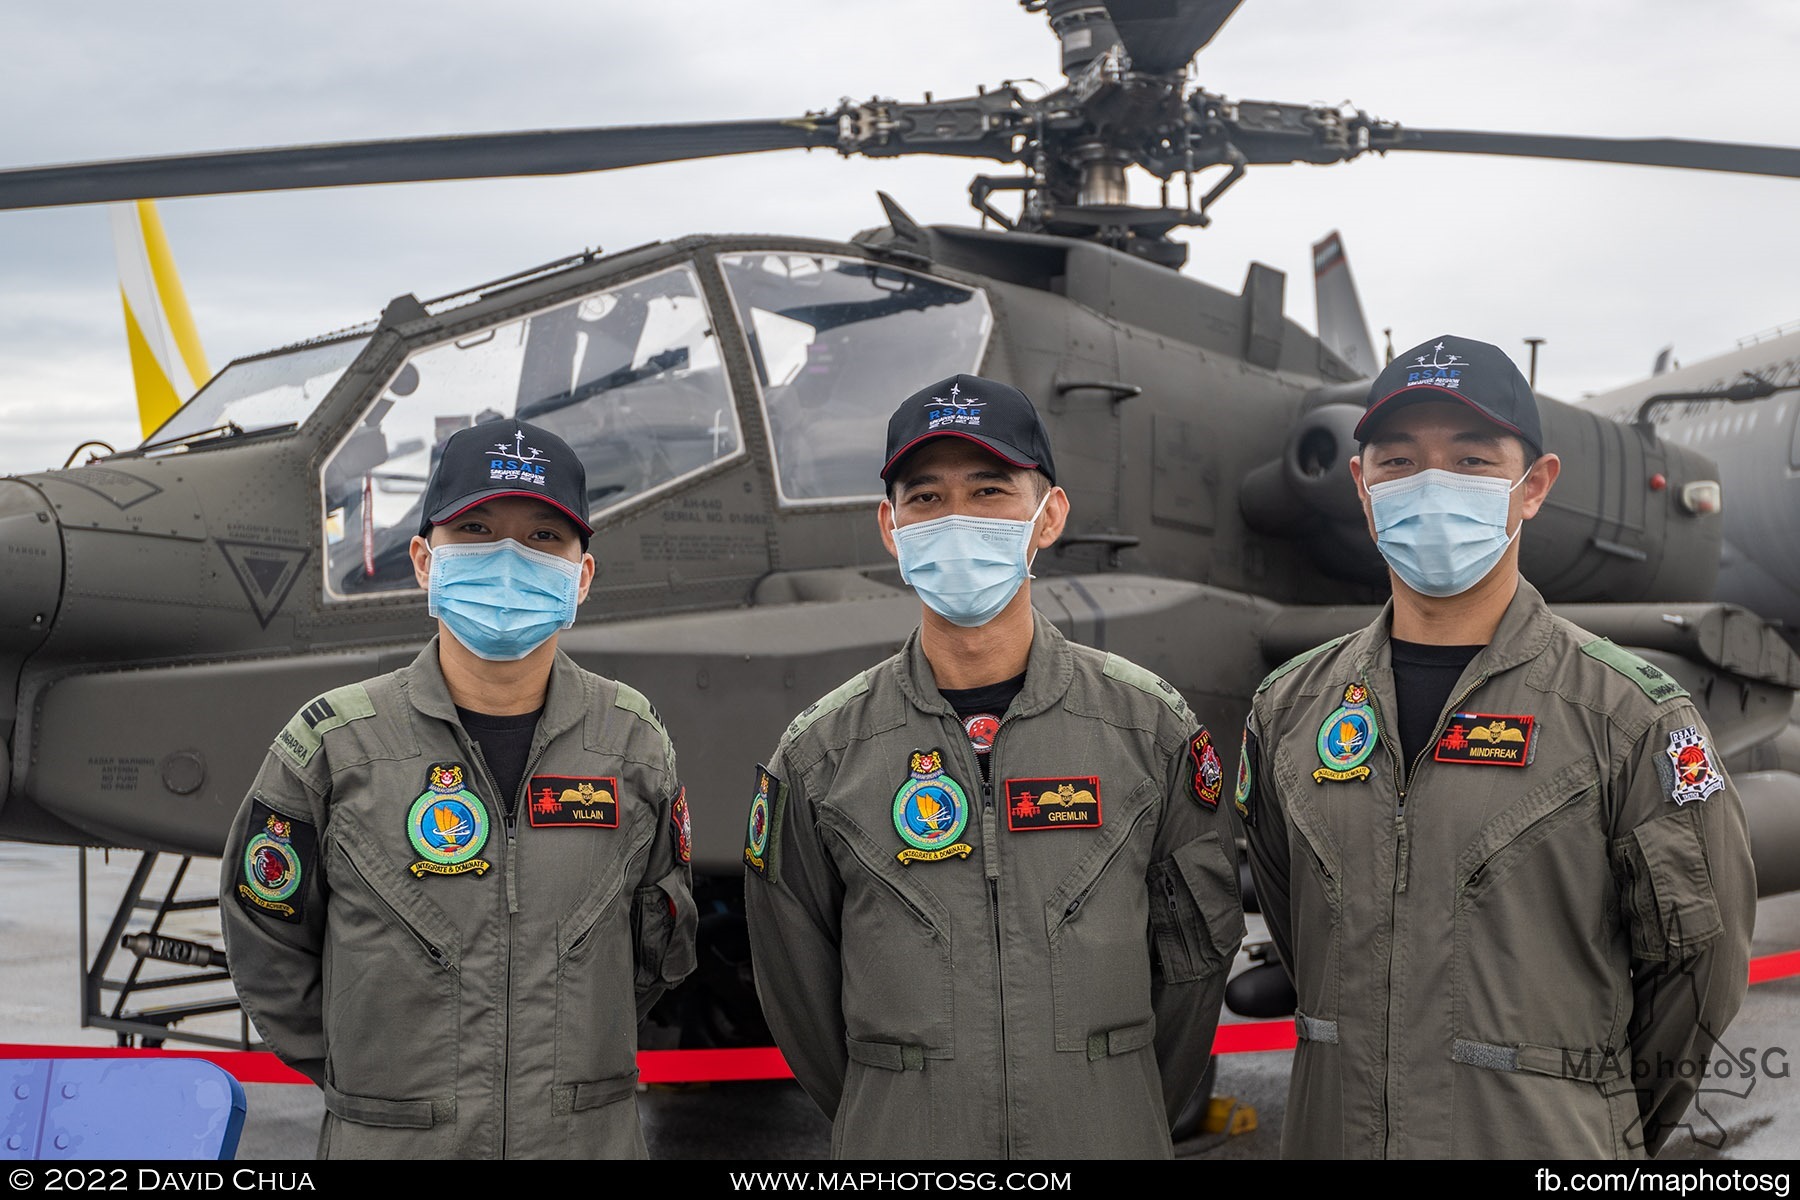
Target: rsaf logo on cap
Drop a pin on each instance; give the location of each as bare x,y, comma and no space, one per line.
1461,370
505,458
994,415
518,463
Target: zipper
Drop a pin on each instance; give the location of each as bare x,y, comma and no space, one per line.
1081,896
874,871
436,955
1402,781
510,815
1475,875
990,852
1402,865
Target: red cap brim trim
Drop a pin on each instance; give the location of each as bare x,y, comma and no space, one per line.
580,522
990,447
1375,408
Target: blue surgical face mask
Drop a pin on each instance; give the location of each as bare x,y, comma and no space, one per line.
1442,532
502,600
966,569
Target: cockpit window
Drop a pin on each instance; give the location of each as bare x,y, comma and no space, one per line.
837,343
630,377
259,393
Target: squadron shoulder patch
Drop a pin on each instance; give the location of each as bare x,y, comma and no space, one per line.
683,825
1063,803
930,811
1241,798
276,860
761,834
1209,776
572,802
1695,775
447,824
1347,738
1491,739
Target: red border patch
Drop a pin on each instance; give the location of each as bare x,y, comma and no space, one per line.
1487,739
573,801
1209,772
684,827
1073,803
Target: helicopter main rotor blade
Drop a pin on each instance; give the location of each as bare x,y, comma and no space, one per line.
1736,157
403,160
1162,35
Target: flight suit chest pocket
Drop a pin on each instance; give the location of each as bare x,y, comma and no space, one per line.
596,1008
392,960
898,957
1099,929
1195,913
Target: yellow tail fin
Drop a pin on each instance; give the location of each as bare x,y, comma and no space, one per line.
166,359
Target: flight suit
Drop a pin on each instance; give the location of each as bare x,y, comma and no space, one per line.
462,985
1529,949
1034,966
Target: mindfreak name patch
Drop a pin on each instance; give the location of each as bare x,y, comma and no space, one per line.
1490,739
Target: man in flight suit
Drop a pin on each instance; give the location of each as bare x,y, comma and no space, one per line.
454,890
1498,855
992,894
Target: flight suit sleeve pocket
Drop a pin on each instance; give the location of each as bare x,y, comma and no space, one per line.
1196,916
663,921
1667,888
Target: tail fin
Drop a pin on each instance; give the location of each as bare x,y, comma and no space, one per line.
1341,324
166,359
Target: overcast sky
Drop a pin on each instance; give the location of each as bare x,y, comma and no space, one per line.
1606,263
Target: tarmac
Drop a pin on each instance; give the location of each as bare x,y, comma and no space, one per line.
1750,1113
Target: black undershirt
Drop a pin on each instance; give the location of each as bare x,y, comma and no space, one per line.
505,744
1423,678
991,700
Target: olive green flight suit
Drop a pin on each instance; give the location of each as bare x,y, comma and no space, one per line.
1042,981
1528,949
462,985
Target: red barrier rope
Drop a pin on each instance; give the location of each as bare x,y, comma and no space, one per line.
716,1066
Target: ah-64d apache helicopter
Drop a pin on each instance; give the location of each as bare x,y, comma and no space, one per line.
166,608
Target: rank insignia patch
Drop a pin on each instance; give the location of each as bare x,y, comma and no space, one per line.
274,864
570,801
1209,775
448,824
762,819
1696,777
1241,797
683,825
1069,803
1491,739
1347,738
930,811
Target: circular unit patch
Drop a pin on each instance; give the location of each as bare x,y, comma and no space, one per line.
930,813
759,824
1347,737
271,868
447,828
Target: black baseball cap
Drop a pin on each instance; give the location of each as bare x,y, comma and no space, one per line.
1481,376
992,414
505,458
